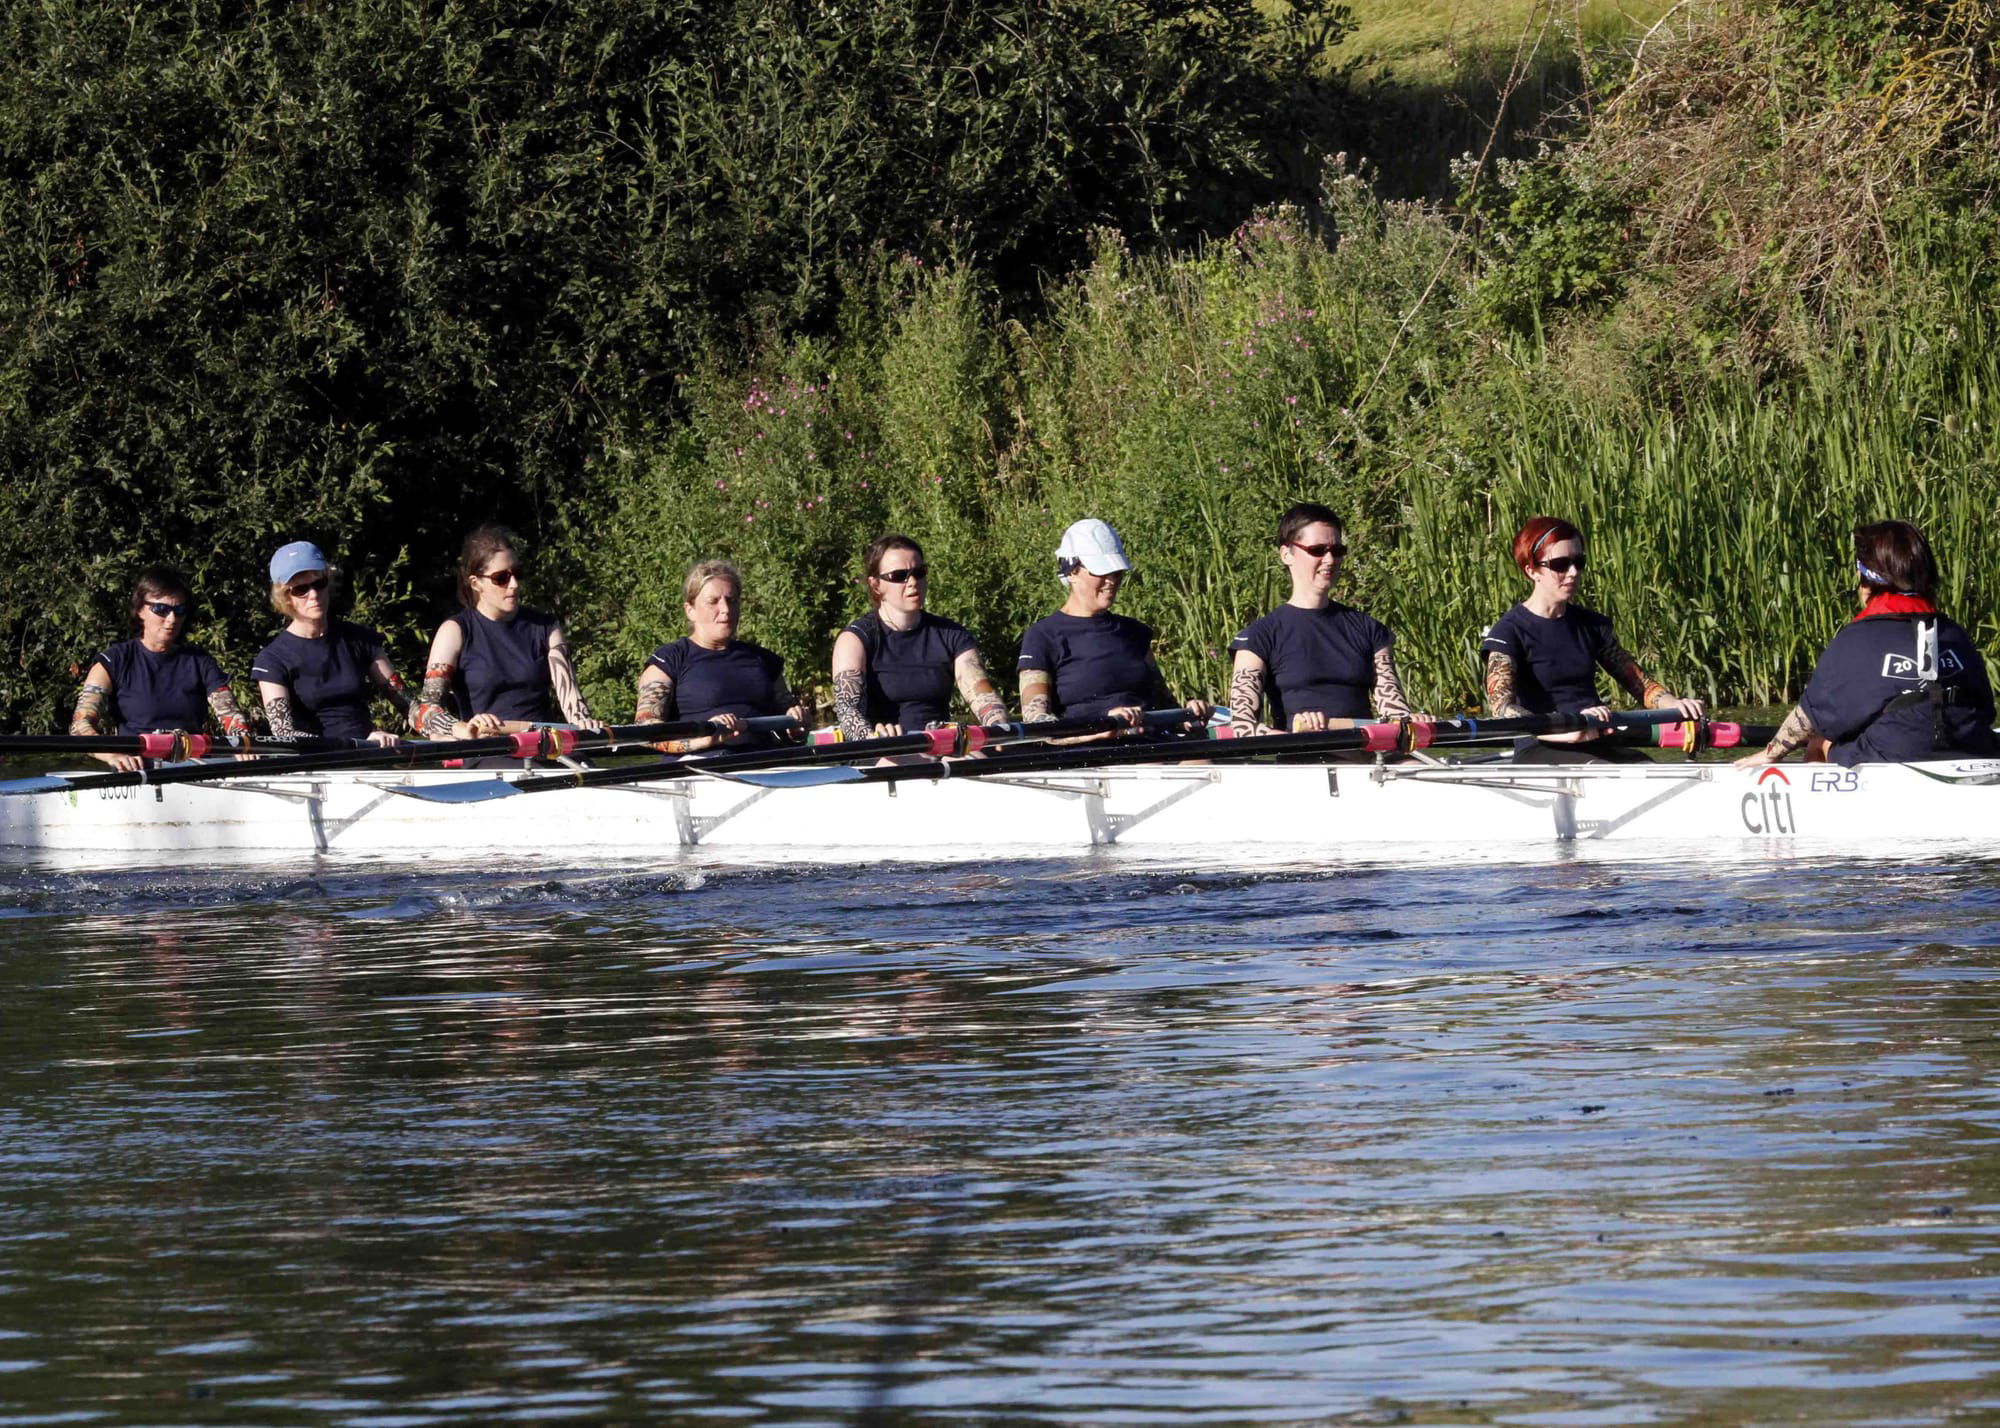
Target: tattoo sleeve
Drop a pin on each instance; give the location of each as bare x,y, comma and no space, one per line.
89,715
977,690
1037,706
1500,687
223,703
278,715
1619,664
850,703
1390,702
656,697
1246,698
430,717
1792,734
562,680
390,686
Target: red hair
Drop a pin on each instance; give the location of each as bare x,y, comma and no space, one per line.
1538,534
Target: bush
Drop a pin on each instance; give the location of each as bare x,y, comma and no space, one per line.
371,272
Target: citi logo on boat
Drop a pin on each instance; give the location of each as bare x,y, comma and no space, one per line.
1768,809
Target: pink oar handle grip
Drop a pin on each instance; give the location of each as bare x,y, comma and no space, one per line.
1719,736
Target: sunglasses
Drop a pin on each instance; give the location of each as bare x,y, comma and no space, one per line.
1564,564
1320,552
166,611
306,587
897,577
503,578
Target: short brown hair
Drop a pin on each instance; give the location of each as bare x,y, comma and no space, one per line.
159,582
704,571
482,545
1301,514
1541,531
1898,552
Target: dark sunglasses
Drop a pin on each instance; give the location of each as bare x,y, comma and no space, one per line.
1320,552
1564,564
897,577
306,587
503,578
166,611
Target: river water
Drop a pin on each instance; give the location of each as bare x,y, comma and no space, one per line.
1077,1141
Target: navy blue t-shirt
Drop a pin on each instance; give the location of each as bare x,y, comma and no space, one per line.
1555,661
503,668
1872,661
159,693
910,671
1095,663
740,678
328,678
1320,660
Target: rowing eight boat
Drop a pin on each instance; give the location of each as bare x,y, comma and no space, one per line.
1398,810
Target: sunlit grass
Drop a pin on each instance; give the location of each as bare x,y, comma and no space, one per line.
1432,40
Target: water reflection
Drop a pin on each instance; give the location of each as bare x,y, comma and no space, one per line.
1076,1142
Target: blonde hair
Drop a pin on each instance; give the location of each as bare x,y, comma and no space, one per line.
281,594
707,570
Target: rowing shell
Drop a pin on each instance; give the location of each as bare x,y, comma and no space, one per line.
1399,812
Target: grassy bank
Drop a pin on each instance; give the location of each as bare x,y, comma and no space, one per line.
1432,41
1188,399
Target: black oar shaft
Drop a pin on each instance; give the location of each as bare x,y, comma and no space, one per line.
533,743
937,743
1381,738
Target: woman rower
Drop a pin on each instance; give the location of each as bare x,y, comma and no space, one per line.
505,667
1322,664
319,675
709,674
1543,655
893,669
1899,682
1085,662
155,683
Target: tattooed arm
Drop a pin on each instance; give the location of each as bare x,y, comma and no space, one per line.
1500,697
656,697
1246,695
850,686
562,682
278,709
389,685
1388,692
656,706
431,716
1650,693
1037,696
977,690
222,703
92,702
1796,732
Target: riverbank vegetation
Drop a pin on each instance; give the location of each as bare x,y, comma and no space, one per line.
1720,286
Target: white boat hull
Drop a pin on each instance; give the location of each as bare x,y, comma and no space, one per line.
1343,811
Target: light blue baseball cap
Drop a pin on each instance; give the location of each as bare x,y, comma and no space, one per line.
294,560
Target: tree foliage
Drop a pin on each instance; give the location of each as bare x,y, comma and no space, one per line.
372,271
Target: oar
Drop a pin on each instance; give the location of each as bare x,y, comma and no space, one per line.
950,739
168,746
547,743
1401,736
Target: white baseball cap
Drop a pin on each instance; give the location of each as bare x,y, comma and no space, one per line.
1093,545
